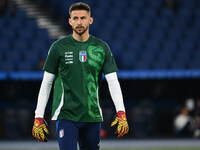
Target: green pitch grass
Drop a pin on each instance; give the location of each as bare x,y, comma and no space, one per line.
124,149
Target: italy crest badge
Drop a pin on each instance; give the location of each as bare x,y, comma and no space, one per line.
82,56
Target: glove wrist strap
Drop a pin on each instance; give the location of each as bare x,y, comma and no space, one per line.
121,114
38,121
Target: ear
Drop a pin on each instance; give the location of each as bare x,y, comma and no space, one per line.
70,21
91,20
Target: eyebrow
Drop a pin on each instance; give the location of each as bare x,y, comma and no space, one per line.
82,17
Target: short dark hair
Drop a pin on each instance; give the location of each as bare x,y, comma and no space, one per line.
79,6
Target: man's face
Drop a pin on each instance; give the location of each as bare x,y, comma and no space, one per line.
80,21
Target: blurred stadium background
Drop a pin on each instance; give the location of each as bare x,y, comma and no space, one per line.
156,47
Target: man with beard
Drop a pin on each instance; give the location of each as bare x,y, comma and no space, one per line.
77,62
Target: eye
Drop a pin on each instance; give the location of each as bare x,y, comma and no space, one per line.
75,18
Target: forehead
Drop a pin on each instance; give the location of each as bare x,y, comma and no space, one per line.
79,13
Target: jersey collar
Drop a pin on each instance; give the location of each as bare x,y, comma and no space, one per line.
80,41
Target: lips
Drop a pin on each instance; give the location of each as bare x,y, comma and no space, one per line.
79,28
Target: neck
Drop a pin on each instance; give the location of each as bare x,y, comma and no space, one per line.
82,38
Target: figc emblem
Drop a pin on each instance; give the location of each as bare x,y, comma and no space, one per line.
82,56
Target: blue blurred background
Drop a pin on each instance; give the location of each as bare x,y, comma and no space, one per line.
156,47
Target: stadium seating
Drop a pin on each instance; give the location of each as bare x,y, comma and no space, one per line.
142,34
20,42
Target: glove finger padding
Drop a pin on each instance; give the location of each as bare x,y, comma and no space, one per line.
114,122
36,133
44,132
122,127
40,130
46,129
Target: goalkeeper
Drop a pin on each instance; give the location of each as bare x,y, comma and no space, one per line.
77,62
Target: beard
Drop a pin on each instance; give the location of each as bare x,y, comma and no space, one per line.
82,31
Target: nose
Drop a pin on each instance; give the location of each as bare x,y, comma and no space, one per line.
79,21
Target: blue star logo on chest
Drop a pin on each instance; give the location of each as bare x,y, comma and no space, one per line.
82,56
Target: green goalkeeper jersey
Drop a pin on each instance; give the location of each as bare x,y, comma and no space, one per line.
78,68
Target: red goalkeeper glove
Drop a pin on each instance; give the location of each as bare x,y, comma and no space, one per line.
40,130
122,127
